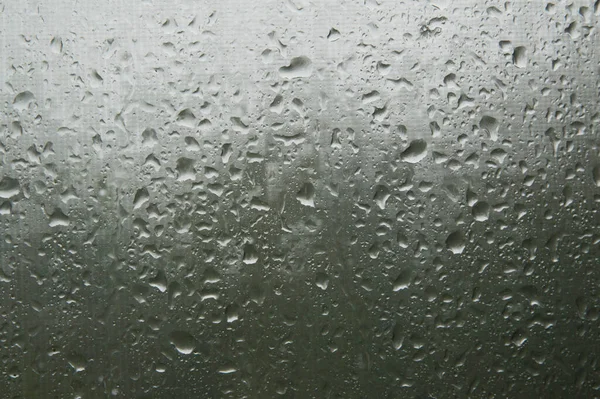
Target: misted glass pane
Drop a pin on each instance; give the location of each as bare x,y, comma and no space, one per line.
299,199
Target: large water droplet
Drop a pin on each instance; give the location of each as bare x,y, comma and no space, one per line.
299,67
9,187
183,341
416,151
456,242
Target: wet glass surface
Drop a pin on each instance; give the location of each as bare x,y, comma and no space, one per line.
299,199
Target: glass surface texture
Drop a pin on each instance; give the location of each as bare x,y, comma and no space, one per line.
299,199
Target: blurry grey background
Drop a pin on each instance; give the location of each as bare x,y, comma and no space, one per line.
299,199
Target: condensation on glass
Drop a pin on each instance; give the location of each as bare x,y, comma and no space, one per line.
299,199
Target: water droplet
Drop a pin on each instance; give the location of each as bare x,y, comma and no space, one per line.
481,211
595,176
250,254
227,370
403,280
159,281
306,195
185,169
141,197
77,362
456,242
299,67
183,341
520,57
22,100
322,280
416,151
382,193
58,218
9,187
186,118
